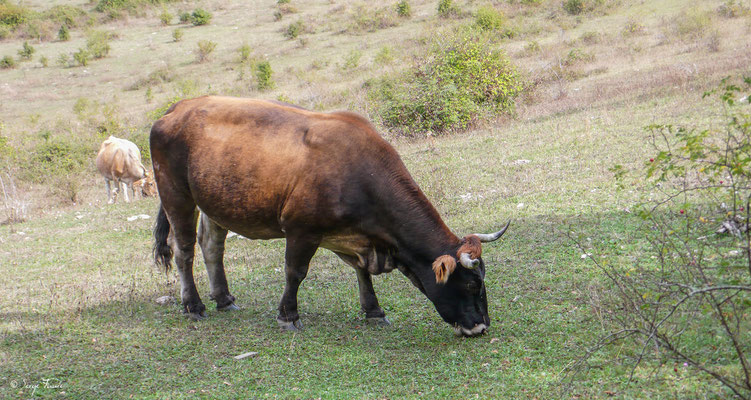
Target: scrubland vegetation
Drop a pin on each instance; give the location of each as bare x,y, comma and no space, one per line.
625,273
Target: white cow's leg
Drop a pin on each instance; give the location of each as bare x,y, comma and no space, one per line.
109,191
125,191
211,239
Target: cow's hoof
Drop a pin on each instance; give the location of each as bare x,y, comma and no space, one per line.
228,307
295,325
196,316
378,321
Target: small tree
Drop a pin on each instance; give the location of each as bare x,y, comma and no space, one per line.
204,50
26,51
64,33
263,75
7,62
82,57
177,34
403,9
200,17
690,302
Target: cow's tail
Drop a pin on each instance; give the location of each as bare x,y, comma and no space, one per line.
162,250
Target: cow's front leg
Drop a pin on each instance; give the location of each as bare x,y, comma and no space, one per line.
211,238
125,191
300,249
368,300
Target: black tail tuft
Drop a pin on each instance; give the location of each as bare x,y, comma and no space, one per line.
162,250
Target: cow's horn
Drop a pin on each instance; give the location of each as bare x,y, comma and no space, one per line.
468,262
489,237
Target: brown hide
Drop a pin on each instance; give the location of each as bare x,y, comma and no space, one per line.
261,168
146,186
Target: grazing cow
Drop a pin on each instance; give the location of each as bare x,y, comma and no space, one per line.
146,187
270,170
119,160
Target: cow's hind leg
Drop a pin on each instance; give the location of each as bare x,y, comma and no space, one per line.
211,238
182,218
125,191
300,249
368,300
110,200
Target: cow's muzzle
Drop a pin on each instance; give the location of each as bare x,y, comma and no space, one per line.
477,330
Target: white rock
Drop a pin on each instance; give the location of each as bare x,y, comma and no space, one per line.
139,216
164,300
246,355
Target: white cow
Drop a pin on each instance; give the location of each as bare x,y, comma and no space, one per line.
119,160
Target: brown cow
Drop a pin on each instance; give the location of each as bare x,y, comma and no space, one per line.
270,170
119,160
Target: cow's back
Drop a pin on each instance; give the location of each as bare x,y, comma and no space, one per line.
262,164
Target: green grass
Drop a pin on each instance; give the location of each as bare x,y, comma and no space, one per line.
79,288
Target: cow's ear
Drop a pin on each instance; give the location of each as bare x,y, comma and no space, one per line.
443,266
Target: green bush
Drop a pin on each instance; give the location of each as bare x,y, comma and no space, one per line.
184,17
352,59
447,9
403,9
573,7
44,61
13,15
204,50
4,31
63,60
177,34
165,17
294,30
98,43
200,17
26,51
63,34
365,19
263,75
244,51
69,16
385,55
489,18
82,57
7,62
464,79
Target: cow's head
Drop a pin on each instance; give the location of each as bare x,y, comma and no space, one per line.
147,185
459,293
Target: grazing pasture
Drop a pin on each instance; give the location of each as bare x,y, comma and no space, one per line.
78,289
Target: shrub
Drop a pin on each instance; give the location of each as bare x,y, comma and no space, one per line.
370,20
590,37
13,15
7,62
447,9
532,47
691,24
63,60
184,17
44,61
98,43
576,56
403,9
263,75
489,18
4,31
65,15
633,28
282,1
200,17
385,55
26,51
204,50
156,77
244,51
293,30
82,57
177,34
278,15
63,34
165,17
462,80
686,298
573,7
352,59
732,9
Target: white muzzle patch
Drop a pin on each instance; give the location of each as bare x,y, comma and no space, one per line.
478,329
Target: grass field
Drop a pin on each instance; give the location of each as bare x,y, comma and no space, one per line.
78,288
